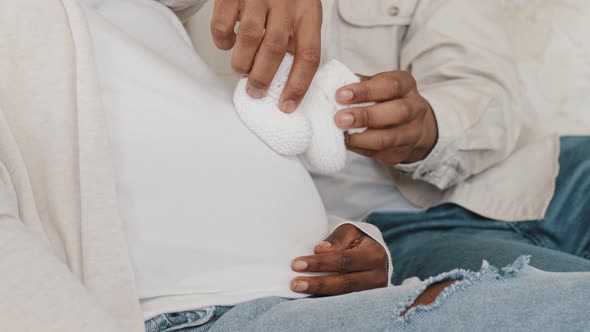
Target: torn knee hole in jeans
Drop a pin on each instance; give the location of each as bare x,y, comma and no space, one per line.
429,295
435,290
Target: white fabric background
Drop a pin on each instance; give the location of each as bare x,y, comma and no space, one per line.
551,40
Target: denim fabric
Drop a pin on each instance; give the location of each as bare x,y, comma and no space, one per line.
515,298
188,321
446,237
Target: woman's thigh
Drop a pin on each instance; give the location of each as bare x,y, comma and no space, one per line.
447,237
566,226
517,298
428,253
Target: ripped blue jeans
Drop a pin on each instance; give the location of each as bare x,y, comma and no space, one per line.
516,298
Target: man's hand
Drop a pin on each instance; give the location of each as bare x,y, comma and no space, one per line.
359,261
402,126
268,28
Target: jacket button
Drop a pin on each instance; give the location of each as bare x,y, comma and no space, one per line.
393,11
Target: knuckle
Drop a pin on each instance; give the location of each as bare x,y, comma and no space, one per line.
258,81
310,58
250,35
365,118
378,261
336,236
343,230
333,237
317,285
274,47
387,140
423,106
364,91
404,111
405,77
374,261
297,91
221,30
345,262
317,265
395,85
241,66
349,285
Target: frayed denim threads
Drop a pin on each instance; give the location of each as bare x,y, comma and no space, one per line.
465,279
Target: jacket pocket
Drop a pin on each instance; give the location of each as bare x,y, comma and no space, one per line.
371,33
371,13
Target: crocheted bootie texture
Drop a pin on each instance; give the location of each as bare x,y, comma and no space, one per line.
309,132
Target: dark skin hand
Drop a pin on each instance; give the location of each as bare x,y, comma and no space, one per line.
268,29
402,126
358,262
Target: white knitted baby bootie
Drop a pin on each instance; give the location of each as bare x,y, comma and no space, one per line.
310,131
327,151
286,134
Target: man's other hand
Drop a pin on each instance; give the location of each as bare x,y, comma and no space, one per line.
402,126
357,263
268,29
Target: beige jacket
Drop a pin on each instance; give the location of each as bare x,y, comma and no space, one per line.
490,157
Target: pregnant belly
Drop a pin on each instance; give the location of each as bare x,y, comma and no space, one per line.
200,193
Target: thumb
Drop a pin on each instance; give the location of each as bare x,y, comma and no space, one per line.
339,240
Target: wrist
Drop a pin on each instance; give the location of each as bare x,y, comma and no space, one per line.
428,139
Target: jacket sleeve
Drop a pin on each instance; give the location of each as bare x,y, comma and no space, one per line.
39,293
461,58
371,230
184,8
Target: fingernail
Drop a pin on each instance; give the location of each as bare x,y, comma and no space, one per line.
344,120
325,244
300,286
254,92
345,95
299,265
289,106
